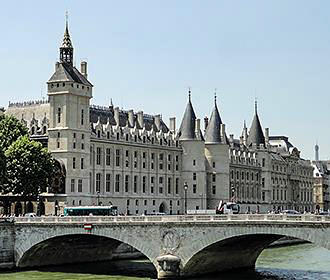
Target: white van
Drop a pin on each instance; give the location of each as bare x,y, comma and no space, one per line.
228,208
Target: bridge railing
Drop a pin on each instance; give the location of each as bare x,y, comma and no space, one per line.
176,218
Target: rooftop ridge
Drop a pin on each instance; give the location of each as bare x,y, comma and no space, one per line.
27,103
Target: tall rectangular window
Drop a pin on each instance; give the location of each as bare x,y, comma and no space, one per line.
98,155
98,182
169,185
107,182
135,184
82,163
117,183
108,156
144,179
126,183
82,116
194,176
117,157
74,163
176,185
152,181
80,181
72,185
214,178
59,112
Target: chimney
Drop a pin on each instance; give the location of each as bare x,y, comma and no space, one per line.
197,125
223,132
231,138
245,135
267,136
140,119
131,118
83,68
116,115
157,122
172,125
206,122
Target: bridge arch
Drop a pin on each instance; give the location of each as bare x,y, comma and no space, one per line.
47,241
233,247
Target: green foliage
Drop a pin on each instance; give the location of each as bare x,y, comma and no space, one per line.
29,167
10,130
2,168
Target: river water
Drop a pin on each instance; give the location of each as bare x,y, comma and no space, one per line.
298,262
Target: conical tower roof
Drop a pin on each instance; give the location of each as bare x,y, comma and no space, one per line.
66,43
212,133
187,128
256,135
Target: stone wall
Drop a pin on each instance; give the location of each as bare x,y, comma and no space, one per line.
7,240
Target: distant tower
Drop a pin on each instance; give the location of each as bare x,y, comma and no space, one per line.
317,152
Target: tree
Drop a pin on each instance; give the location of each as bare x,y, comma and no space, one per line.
29,167
10,130
2,169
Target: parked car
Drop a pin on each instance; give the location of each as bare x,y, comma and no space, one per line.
290,212
324,213
30,215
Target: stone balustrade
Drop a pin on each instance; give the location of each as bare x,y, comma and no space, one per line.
271,218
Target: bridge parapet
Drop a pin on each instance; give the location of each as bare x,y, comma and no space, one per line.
271,218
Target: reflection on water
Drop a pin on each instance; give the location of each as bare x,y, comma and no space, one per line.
300,262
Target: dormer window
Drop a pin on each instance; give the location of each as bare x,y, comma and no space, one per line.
98,134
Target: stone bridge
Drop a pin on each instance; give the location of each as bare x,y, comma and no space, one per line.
176,245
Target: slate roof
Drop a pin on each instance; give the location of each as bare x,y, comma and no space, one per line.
66,43
107,113
67,73
187,128
256,135
212,133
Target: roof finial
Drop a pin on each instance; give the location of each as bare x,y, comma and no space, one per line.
111,104
256,105
66,19
189,93
215,96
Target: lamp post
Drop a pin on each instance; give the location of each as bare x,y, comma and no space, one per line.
98,197
185,186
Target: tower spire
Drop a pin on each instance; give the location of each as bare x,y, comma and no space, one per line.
215,96
256,106
66,49
189,94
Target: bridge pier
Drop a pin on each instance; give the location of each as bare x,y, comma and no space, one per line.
168,266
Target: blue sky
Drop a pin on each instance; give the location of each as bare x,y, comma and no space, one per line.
145,54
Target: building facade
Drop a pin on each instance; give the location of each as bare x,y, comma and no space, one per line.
109,156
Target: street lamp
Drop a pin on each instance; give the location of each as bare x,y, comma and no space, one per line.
185,186
98,197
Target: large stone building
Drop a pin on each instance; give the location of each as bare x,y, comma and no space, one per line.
321,182
135,161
